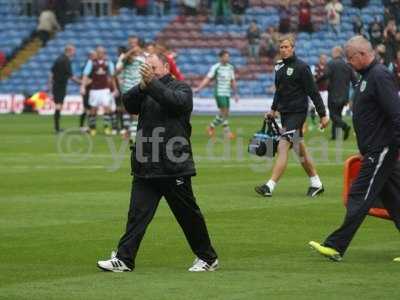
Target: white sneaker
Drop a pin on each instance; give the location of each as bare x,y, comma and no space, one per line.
124,133
84,129
200,265
113,265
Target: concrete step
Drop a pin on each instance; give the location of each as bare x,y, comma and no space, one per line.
21,57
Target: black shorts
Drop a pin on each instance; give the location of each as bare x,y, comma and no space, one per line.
118,101
85,99
59,95
292,124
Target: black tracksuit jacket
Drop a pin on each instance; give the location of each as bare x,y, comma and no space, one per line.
165,107
376,109
294,83
340,75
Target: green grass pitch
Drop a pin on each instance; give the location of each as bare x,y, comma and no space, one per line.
63,206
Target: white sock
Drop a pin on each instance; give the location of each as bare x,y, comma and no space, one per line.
271,184
315,181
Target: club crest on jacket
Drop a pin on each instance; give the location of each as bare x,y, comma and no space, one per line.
363,86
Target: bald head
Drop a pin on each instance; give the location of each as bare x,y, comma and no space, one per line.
69,50
337,52
100,52
323,59
159,63
359,52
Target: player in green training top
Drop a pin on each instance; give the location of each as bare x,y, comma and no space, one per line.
128,74
224,75
129,65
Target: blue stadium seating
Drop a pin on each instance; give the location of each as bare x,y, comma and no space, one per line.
14,28
86,34
194,62
308,47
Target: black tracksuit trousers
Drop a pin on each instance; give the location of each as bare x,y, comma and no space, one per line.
379,178
145,196
335,113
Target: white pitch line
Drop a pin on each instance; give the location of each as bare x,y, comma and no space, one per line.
30,155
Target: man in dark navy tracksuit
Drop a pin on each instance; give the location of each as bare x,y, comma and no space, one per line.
376,118
339,75
294,83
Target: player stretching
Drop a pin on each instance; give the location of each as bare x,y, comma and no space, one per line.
224,75
99,73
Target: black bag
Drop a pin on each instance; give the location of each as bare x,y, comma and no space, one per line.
265,142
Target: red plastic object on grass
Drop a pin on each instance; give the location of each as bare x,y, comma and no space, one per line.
351,170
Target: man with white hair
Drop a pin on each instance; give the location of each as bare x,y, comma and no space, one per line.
376,119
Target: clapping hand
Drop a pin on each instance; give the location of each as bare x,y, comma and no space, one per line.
147,73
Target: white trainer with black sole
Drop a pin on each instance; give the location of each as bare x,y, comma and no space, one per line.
200,265
113,265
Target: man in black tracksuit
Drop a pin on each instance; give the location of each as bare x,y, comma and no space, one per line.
162,166
294,83
61,72
376,119
339,75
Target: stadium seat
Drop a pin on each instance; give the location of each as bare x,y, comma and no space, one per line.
196,40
